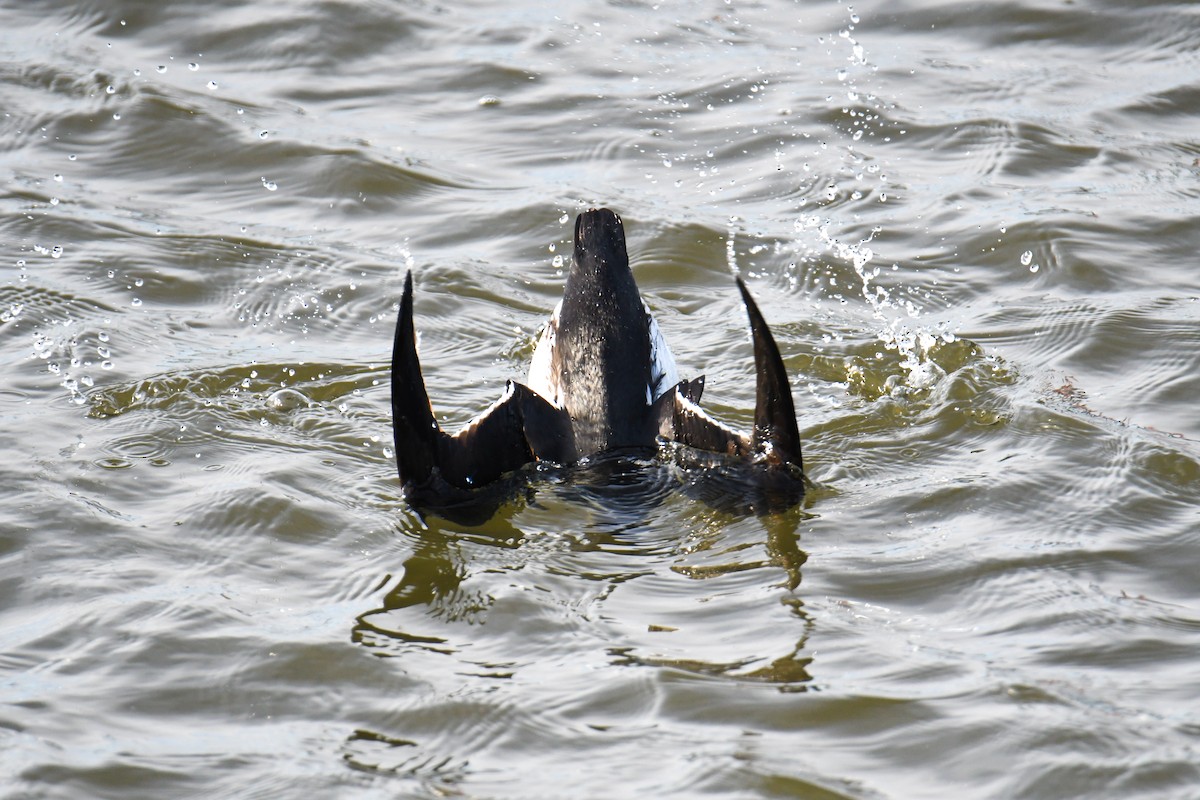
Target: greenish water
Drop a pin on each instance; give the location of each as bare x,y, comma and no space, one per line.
972,227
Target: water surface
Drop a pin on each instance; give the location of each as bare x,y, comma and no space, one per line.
972,227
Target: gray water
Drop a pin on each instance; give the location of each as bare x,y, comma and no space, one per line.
973,228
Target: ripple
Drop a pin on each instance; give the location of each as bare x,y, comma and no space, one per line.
1044,332
241,389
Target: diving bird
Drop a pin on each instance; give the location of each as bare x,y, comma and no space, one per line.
601,381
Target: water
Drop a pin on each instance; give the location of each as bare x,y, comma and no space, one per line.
972,228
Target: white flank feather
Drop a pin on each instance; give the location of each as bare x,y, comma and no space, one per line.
542,378
663,372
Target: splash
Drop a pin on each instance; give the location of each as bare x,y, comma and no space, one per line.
899,329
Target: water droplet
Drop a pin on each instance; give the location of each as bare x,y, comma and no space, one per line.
160,69
1026,258
138,282
270,186
110,89
71,157
557,261
102,336
212,85
116,116
563,219
137,301
137,73
103,352
263,134
489,100
53,201
58,177
193,66
1035,268
56,251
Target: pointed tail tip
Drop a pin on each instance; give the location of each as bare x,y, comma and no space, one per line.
776,434
414,428
406,307
747,300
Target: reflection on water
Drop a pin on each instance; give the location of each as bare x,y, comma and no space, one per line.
620,499
504,603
